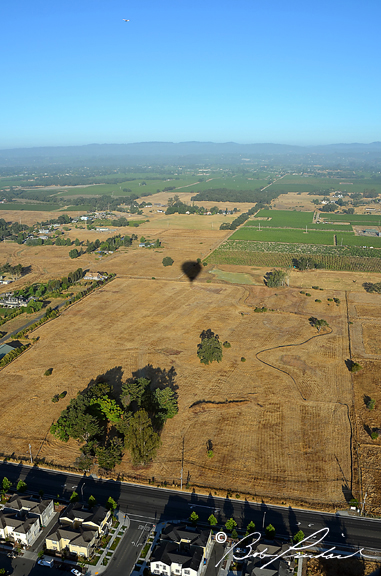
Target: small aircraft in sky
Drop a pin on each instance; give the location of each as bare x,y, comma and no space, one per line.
124,20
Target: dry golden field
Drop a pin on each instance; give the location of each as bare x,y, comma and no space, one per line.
365,313
276,431
282,424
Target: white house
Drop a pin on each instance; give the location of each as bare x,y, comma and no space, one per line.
20,530
181,551
167,559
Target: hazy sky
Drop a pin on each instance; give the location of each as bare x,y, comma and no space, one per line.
280,71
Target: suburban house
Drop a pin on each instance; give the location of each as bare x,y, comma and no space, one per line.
23,518
79,542
98,519
43,509
79,530
9,301
181,551
21,530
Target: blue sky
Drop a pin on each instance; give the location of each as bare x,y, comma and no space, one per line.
246,71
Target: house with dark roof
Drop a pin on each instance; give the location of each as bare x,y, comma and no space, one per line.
21,530
76,516
76,541
43,509
168,559
181,551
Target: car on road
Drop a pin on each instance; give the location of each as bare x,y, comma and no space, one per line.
76,572
46,562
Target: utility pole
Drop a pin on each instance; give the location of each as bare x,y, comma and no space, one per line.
363,504
30,452
182,465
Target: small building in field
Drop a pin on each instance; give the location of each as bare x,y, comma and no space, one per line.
94,276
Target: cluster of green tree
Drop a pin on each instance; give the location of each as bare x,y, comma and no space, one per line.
317,323
306,263
210,348
227,195
370,193
61,241
175,205
62,219
10,314
110,244
276,278
330,207
15,271
12,355
54,285
107,422
372,287
11,230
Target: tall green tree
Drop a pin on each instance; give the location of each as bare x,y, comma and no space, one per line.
230,524
194,518
140,439
166,403
212,520
133,391
210,348
298,537
276,278
6,484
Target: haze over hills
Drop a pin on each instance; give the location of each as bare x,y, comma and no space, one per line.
189,152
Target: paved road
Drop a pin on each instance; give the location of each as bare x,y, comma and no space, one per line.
155,505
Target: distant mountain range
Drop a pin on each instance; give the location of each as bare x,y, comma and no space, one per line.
183,149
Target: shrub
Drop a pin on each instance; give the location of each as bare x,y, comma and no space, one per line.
48,372
354,366
55,398
226,344
315,287
371,404
167,261
243,359
210,454
63,394
319,301
374,435
308,294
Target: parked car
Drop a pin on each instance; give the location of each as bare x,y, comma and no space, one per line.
46,562
76,572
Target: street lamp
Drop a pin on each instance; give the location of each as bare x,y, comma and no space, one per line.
264,516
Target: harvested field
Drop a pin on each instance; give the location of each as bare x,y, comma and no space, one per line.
278,431
365,313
